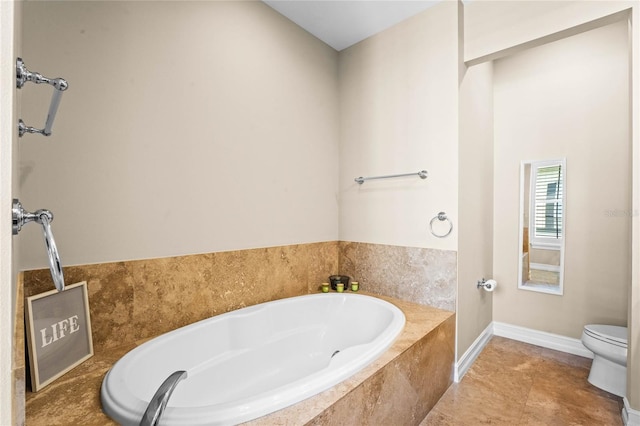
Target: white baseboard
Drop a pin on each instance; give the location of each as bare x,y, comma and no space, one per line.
542,338
630,417
467,359
522,334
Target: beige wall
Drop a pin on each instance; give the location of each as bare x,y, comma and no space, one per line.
113,130
399,114
188,127
490,32
633,357
11,367
567,99
475,198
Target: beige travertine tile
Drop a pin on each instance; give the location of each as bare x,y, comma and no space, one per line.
425,276
566,359
401,377
404,391
74,399
18,331
171,292
19,356
514,383
110,287
412,374
554,403
131,302
475,401
140,299
509,359
563,395
322,260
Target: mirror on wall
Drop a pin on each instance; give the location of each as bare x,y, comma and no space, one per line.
542,225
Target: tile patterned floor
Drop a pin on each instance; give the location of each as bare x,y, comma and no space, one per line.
514,383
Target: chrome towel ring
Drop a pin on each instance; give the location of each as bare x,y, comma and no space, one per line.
442,216
44,218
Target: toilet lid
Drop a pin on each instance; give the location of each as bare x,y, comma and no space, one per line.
612,333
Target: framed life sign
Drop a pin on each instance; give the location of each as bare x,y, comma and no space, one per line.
58,333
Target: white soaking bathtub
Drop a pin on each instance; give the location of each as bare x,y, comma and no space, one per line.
253,361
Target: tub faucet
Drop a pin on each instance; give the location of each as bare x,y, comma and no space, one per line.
159,401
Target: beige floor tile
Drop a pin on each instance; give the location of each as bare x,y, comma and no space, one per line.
514,383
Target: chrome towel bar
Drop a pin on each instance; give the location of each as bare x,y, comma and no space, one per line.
422,174
60,85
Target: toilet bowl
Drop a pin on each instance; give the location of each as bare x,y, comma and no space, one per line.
609,346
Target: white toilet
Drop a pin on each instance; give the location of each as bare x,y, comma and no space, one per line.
609,346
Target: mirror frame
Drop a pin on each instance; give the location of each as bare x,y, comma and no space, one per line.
560,288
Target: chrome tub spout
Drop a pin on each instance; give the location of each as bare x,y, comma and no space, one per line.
159,401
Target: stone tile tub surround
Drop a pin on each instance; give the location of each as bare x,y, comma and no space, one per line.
400,387
19,359
139,299
425,276
136,300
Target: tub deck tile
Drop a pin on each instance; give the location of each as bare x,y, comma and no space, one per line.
409,378
74,399
396,379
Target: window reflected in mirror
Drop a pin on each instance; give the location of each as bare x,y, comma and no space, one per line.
542,224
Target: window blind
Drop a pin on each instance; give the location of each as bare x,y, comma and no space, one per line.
547,202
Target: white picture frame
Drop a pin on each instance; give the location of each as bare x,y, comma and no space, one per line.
58,333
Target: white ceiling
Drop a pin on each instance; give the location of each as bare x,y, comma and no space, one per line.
341,23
